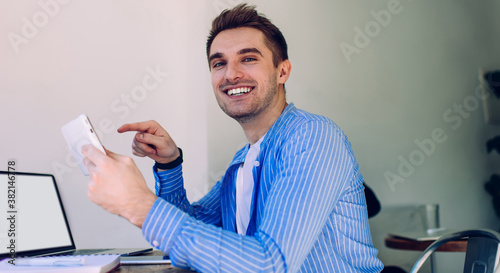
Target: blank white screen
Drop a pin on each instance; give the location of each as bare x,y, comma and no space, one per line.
39,219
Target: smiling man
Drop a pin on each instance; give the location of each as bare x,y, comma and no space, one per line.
292,200
247,84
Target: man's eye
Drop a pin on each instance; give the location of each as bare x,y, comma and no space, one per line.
249,59
217,64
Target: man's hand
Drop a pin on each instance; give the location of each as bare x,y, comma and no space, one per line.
117,185
151,140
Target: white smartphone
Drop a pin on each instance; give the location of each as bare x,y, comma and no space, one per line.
78,133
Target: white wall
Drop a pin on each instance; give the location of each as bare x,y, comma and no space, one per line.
92,57
392,92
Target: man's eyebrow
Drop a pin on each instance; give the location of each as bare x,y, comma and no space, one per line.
240,52
215,56
250,50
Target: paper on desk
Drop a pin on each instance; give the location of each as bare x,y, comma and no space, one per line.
93,264
422,235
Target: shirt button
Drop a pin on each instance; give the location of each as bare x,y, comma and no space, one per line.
256,163
156,244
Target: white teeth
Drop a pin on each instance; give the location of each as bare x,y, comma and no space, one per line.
238,91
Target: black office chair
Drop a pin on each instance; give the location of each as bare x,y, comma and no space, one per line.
372,203
481,254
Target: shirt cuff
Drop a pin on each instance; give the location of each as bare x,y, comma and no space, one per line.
168,181
163,224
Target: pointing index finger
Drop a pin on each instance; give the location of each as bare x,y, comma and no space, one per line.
137,126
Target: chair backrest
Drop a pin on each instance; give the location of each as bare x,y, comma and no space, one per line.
481,255
372,203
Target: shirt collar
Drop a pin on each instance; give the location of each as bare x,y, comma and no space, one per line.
275,128
278,124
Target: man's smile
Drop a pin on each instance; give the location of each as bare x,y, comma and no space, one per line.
238,91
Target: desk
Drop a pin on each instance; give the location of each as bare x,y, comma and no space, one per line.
151,268
406,244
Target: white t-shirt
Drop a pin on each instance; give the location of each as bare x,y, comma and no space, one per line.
244,188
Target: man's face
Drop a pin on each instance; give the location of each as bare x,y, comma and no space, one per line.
244,79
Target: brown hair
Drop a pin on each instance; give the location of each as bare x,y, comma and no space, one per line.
246,16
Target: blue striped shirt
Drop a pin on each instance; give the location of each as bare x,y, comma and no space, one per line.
308,209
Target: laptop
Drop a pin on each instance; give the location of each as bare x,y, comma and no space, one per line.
34,217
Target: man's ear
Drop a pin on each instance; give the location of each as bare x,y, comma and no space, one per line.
285,67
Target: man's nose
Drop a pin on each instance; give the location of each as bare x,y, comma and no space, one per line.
233,71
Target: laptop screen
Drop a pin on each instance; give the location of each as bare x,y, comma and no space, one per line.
36,221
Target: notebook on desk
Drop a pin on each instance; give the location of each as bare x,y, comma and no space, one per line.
66,264
38,221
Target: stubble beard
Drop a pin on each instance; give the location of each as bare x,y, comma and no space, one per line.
256,107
